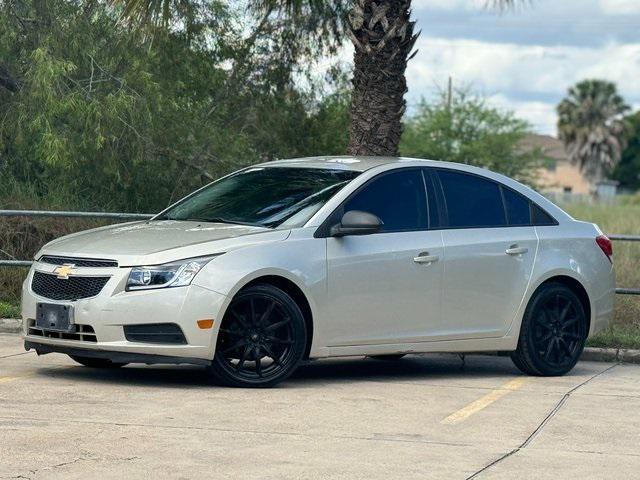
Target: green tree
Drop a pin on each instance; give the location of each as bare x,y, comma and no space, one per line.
465,129
109,118
383,37
591,126
627,172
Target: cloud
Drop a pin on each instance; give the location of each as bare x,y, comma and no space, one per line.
620,7
535,69
449,5
540,115
528,79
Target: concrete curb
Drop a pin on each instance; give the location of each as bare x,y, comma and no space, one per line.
623,355
590,354
10,325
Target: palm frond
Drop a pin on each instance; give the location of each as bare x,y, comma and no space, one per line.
591,125
503,5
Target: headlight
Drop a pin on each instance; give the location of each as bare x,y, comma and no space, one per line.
174,274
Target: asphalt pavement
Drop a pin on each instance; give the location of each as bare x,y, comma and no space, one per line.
421,417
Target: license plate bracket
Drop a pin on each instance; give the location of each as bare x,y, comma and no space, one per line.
55,317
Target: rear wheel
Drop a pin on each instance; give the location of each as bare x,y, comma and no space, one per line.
553,333
96,362
262,338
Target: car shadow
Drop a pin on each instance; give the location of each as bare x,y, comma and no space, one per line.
412,368
409,368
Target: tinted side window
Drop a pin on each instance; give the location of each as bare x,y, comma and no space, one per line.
539,217
518,208
398,198
472,201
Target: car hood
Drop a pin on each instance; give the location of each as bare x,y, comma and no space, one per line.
154,242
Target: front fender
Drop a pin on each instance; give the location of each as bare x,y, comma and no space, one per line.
301,261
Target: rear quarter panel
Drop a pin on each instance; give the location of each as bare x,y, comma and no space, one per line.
570,250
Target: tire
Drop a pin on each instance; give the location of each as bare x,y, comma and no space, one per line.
553,332
261,340
394,357
96,362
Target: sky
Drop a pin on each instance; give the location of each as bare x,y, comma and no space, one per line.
525,60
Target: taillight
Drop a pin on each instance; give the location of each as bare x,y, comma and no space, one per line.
605,245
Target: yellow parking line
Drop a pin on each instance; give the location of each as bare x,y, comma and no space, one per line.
18,377
484,402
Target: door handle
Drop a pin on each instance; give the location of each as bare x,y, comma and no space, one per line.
516,250
424,257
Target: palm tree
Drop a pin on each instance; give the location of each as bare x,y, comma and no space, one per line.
382,34
383,37
591,126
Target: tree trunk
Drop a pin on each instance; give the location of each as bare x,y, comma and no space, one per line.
382,35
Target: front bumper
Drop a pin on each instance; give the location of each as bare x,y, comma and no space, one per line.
114,356
113,308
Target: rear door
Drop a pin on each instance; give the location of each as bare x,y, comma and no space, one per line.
490,248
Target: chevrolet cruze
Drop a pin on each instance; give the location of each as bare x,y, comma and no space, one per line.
310,258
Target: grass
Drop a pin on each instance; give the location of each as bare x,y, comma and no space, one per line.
617,336
623,218
8,310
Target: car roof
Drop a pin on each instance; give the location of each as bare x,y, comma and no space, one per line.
345,162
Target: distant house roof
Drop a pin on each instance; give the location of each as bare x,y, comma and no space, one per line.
551,147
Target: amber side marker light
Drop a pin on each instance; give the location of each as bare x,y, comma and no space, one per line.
205,324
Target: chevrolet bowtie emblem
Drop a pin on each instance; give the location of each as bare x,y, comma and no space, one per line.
63,271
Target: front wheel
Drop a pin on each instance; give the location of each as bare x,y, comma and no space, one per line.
553,333
261,340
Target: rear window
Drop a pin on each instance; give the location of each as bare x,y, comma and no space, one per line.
472,201
541,218
518,208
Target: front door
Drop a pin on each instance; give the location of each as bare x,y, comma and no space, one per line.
385,288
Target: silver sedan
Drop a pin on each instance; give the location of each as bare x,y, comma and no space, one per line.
322,257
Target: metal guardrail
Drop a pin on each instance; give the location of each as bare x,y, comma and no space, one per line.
144,216
15,263
64,214
48,213
625,238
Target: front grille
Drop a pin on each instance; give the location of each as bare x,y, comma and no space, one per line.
78,262
155,333
72,288
83,333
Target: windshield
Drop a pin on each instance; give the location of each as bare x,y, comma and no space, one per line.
267,197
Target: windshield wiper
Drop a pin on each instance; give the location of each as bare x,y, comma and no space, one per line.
219,220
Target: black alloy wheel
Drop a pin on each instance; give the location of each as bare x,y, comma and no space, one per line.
553,333
96,362
261,340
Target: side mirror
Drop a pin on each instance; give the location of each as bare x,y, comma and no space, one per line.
356,222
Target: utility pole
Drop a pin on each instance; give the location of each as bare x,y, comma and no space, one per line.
449,141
